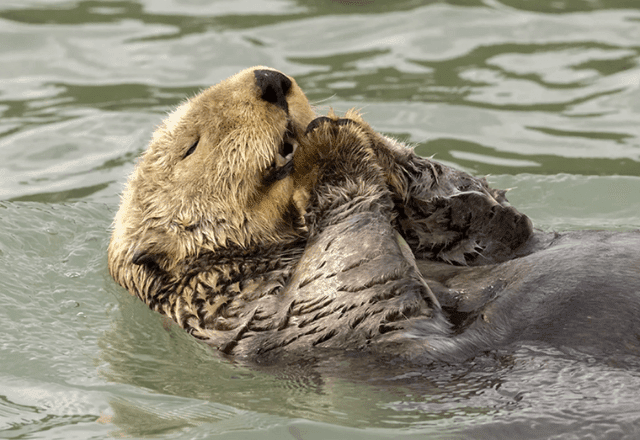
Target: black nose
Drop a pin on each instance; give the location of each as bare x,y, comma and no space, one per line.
274,87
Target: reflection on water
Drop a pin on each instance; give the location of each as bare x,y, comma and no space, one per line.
543,95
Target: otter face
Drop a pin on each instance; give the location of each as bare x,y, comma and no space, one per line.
217,172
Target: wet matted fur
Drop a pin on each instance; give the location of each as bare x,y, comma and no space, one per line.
265,230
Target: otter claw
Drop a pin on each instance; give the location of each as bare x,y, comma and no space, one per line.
316,123
322,119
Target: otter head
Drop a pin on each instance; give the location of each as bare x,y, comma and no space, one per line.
216,174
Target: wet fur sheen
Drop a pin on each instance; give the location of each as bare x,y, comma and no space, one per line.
267,231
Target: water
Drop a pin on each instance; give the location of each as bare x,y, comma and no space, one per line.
544,96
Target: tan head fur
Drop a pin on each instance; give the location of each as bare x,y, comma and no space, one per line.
203,183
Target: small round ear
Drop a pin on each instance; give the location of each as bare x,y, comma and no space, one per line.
150,249
145,256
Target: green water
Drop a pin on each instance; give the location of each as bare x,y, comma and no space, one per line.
543,96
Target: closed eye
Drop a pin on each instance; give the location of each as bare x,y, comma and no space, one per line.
191,150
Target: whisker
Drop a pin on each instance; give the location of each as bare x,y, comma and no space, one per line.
323,100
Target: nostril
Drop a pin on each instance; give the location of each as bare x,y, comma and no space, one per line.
274,87
287,149
269,94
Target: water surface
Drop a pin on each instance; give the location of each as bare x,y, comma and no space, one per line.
544,97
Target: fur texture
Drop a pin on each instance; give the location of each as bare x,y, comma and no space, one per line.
265,230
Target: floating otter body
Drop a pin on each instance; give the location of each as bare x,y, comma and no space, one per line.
267,231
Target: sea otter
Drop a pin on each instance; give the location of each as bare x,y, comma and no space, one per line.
269,231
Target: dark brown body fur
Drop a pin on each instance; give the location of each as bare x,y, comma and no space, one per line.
321,234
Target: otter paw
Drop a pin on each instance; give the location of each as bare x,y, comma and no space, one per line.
468,228
341,144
